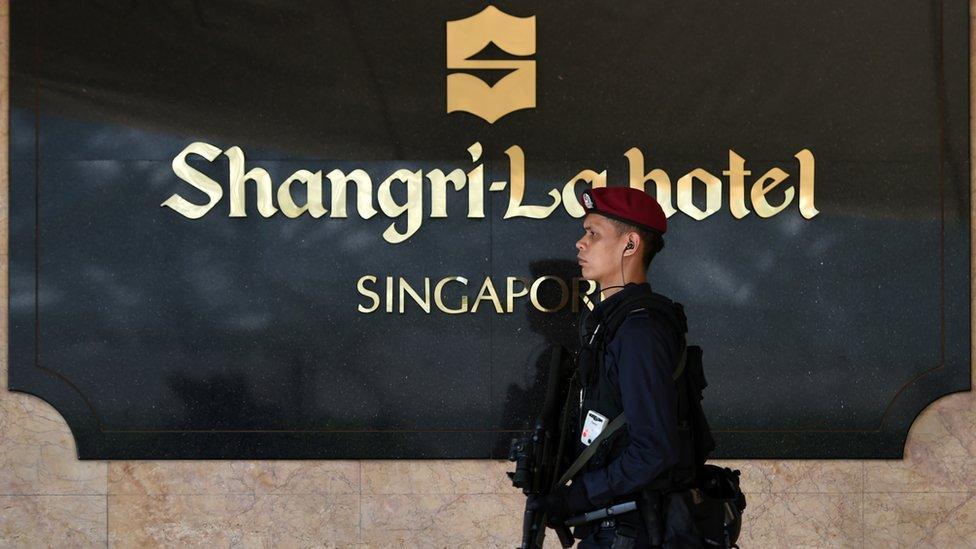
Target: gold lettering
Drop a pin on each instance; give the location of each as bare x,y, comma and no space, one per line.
438,189
439,301
662,183
516,159
775,176
590,290
423,302
414,181
736,174
570,200
238,178
713,200
563,293
313,203
487,292
414,205
364,192
476,184
806,183
196,179
360,285
510,282
389,294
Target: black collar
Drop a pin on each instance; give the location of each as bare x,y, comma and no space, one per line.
590,319
605,307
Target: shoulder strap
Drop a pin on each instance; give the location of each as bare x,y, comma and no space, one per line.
654,303
617,423
681,361
591,449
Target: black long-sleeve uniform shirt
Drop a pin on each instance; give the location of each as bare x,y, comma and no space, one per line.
640,359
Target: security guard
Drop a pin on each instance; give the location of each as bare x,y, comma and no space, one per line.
623,230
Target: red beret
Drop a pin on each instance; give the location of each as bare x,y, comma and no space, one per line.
626,204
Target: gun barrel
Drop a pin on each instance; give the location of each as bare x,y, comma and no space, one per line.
527,528
599,514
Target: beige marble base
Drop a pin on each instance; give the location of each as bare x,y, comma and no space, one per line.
802,520
37,452
427,520
52,521
431,477
234,521
799,476
233,477
920,520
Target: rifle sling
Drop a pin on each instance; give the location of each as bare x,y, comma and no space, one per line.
611,428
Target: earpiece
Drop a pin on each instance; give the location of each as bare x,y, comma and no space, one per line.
630,246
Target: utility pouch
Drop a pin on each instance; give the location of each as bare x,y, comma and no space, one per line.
723,502
681,531
715,506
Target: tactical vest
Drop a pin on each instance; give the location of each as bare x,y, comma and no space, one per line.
602,393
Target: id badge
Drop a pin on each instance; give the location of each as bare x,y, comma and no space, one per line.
592,427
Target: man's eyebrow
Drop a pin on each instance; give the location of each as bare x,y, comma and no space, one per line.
587,227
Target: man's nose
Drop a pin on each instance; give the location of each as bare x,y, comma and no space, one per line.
579,245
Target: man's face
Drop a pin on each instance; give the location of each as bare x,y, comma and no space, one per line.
599,250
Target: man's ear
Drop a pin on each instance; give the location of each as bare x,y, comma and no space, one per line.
635,239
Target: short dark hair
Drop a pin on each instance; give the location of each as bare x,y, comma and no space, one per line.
653,240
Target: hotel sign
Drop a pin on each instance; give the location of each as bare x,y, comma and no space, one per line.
346,230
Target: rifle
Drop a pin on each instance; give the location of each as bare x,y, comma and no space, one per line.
537,459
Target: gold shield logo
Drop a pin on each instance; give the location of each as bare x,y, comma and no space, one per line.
465,38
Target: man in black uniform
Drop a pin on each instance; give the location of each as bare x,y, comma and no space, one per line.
623,230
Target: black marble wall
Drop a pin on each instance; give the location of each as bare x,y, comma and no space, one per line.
160,336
